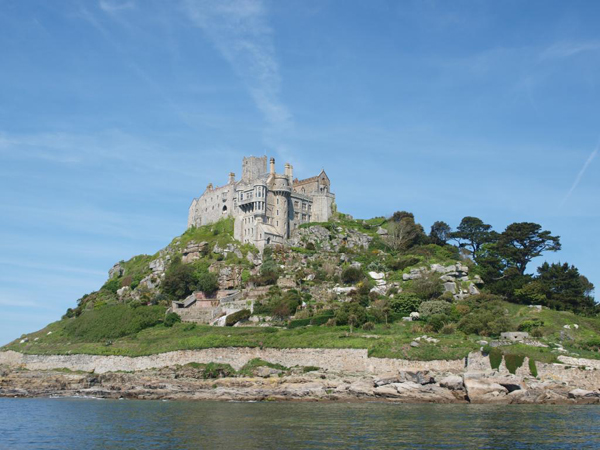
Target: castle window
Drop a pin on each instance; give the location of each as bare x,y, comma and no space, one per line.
277,212
224,209
309,208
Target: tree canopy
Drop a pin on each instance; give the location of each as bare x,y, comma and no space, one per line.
523,241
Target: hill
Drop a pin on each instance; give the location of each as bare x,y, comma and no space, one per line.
378,284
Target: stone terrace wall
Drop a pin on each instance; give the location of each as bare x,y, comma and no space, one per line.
346,360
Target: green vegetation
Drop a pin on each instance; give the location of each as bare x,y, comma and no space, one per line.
112,322
310,315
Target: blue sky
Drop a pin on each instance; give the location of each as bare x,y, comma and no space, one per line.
114,114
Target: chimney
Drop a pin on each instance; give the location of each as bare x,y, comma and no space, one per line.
272,171
231,177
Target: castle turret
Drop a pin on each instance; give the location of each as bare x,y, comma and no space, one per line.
289,171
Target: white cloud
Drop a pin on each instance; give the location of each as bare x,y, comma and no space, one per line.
112,6
567,49
239,30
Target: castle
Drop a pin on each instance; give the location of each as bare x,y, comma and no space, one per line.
267,206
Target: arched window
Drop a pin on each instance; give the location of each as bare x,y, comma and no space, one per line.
224,209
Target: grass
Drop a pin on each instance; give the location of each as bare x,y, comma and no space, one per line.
393,342
385,342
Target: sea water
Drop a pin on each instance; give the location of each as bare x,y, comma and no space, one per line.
135,424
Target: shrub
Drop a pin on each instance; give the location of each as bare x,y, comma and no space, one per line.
216,370
351,275
310,246
449,328
495,358
428,287
351,313
530,324
513,362
437,321
368,326
532,368
432,307
171,319
207,282
404,262
486,318
405,303
113,322
112,285
236,317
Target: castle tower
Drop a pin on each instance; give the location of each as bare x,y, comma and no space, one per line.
281,189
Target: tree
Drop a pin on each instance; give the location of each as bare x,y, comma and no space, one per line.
523,241
179,281
404,232
563,288
473,234
440,233
207,282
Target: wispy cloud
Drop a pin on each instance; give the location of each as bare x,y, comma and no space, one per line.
115,6
239,30
580,175
567,49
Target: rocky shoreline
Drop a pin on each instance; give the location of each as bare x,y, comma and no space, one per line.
477,383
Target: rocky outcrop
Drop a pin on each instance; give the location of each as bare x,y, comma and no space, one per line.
115,271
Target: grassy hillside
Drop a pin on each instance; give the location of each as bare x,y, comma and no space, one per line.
342,254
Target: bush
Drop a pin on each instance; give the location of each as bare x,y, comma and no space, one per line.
368,326
171,319
532,368
404,262
351,275
484,322
449,328
432,307
216,370
513,362
428,287
437,321
113,322
530,324
236,317
207,282
405,303
179,280
112,285
351,313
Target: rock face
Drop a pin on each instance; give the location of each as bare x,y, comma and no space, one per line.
115,271
193,251
455,278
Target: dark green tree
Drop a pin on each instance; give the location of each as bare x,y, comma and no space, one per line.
440,233
560,286
179,281
523,241
473,234
206,282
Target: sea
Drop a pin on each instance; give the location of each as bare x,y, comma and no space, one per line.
82,424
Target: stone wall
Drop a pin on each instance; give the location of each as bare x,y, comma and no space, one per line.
345,360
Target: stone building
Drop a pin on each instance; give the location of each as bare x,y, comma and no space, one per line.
267,206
